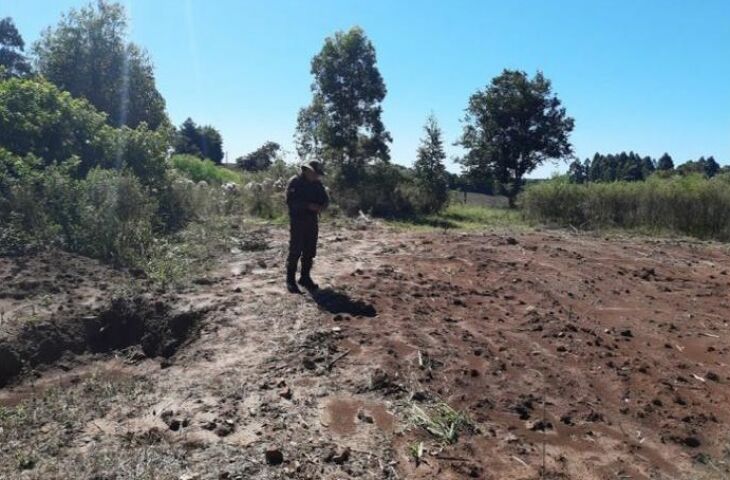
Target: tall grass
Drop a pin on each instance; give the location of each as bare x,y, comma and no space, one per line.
691,205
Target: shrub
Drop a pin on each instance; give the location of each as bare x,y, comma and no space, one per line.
203,170
115,218
36,118
691,205
381,189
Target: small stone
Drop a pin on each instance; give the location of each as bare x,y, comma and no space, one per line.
338,456
274,456
627,333
285,393
511,241
712,376
364,417
224,429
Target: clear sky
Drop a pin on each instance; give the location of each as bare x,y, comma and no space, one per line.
643,75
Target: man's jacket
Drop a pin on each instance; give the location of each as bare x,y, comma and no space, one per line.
300,193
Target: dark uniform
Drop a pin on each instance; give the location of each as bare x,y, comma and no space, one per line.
303,224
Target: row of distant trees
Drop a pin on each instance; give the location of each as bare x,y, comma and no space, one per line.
632,167
511,126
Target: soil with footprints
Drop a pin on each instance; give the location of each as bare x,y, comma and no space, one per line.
565,356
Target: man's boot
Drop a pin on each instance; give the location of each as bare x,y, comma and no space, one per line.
306,280
291,276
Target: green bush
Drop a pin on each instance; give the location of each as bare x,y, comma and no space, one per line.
115,219
690,205
36,118
203,170
382,189
108,215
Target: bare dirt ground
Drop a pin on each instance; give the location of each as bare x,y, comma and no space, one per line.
570,357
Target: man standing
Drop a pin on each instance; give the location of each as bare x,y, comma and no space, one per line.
306,198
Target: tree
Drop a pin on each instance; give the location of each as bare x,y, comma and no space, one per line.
260,159
38,119
711,167
211,144
665,163
429,166
577,172
201,141
12,60
187,140
514,125
342,125
88,55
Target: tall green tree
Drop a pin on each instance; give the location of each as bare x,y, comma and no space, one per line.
665,162
342,125
577,172
13,62
202,141
429,166
89,55
260,159
514,125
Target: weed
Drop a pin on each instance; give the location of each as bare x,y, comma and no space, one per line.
416,451
443,422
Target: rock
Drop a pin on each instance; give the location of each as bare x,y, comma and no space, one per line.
364,417
627,333
224,429
541,426
511,241
274,455
338,456
712,376
285,393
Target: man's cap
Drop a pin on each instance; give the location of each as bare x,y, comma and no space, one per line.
315,166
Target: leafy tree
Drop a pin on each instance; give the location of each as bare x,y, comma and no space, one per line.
665,163
188,138
711,167
342,125
429,166
201,141
260,159
88,54
12,60
577,172
704,166
514,125
211,144
39,120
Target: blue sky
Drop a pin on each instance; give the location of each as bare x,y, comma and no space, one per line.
649,75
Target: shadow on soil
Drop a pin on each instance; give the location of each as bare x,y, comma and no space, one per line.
335,301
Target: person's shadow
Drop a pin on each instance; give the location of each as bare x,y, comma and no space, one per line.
335,301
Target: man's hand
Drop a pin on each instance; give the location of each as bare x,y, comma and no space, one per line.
314,207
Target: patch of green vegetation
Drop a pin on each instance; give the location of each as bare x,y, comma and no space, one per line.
459,216
416,452
198,169
686,205
443,422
